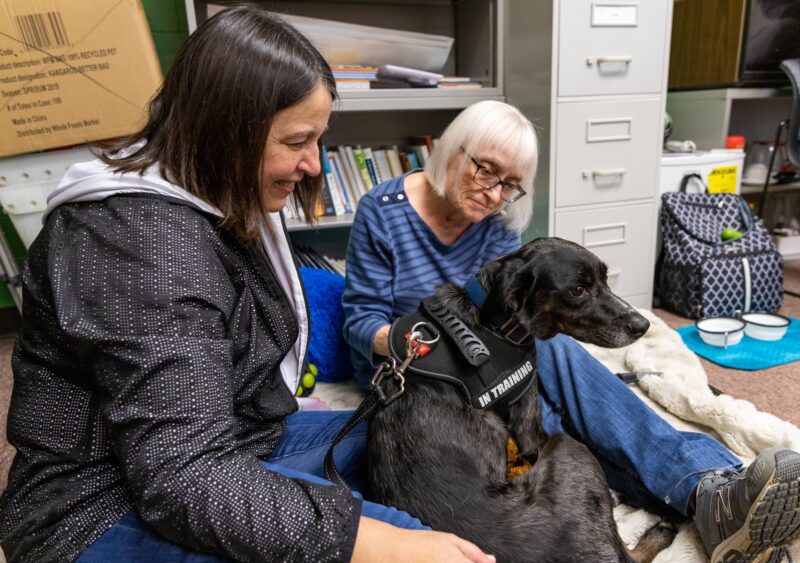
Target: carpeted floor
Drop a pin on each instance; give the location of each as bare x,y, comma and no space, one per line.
775,390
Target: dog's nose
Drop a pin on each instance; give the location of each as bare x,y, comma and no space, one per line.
637,326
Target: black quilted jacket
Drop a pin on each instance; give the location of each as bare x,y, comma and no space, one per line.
146,376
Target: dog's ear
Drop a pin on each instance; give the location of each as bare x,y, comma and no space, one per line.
496,277
509,281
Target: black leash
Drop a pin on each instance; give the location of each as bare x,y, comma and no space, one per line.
389,371
364,411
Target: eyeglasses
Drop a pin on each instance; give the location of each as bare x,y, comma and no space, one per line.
509,192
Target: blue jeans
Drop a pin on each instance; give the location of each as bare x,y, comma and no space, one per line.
299,454
651,463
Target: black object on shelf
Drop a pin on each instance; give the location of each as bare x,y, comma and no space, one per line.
792,68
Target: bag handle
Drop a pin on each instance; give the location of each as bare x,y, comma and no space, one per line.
744,210
693,175
747,215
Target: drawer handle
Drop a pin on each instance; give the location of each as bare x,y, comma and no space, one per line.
613,272
611,60
609,172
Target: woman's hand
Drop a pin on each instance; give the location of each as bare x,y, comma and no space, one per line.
378,542
380,344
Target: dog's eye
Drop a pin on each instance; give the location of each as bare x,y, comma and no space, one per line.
578,291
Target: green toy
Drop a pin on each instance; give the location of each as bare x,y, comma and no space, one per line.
307,381
731,234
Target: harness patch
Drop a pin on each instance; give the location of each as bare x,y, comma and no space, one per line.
496,392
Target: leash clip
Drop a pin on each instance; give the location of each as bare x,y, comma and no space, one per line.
416,346
389,367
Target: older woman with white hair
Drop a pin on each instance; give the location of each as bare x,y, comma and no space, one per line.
424,228
469,206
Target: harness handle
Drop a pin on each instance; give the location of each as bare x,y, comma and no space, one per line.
473,349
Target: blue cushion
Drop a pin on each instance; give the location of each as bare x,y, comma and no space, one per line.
326,348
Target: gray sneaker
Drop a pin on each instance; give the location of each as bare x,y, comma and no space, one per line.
750,515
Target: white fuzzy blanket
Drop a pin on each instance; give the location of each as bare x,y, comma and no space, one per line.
682,397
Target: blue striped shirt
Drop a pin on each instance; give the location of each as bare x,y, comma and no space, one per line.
394,260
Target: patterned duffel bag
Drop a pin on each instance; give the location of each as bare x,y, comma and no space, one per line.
701,275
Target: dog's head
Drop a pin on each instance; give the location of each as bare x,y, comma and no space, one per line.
551,285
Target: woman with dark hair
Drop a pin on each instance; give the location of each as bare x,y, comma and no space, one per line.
164,330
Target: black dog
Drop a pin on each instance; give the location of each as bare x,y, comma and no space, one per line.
444,461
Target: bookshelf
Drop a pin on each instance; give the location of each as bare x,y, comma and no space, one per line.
389,117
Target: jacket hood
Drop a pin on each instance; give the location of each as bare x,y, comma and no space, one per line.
95,181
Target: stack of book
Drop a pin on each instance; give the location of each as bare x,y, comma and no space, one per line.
354,77
459,82
351,171
393,76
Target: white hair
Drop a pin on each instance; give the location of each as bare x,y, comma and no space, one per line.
495,125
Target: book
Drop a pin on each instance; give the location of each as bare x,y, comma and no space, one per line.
413,161
349,181
355,172
383,82
333,156
361,162
448,79
326,205
382,164
330,184
352,84
422,153
393,156
371,167
404,161
354,71
460,85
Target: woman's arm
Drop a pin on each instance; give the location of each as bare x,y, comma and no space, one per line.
368,299
144,297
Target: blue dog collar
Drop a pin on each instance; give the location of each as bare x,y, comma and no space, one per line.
503,321
475,291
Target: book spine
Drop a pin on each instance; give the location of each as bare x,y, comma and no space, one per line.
351,162
350,182
371,167
413,162
330,178
393,156
358,153
382,164
334,156
422,153
404,162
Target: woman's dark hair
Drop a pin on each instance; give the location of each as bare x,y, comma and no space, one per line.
208,123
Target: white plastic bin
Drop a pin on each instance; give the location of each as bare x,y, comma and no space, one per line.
26,181
675,166
353,44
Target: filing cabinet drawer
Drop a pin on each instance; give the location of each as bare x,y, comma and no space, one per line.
622,237
607,151
611,47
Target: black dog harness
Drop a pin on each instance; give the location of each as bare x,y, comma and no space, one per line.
490,367
489,371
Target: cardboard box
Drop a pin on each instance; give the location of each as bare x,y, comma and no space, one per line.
73,71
